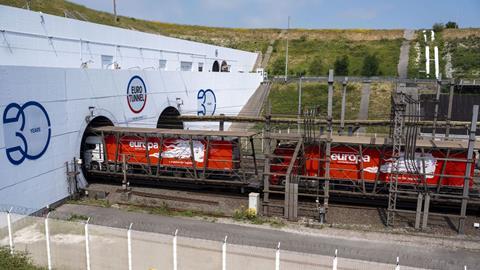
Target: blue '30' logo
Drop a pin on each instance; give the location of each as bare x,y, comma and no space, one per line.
26,131
206,102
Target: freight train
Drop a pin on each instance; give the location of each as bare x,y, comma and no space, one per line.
220,158
170,154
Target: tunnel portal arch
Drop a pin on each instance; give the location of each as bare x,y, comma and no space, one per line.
216,66
165,122
99,121
224,67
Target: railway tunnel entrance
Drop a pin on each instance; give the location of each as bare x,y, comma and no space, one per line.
99,121
165,120
215,66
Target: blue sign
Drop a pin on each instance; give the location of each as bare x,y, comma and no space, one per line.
27,131
206,102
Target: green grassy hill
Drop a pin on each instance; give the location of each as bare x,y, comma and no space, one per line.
464,47
461,46
305,52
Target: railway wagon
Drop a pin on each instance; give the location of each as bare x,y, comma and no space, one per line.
437,167
169,153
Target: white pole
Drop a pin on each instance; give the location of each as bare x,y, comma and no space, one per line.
299,112
286,52
175,250
427,58
277,258
335,262
433,35
47,237
397,267
263,135
81,52
129,242
425,36
435,50
224,254
10,235
87,244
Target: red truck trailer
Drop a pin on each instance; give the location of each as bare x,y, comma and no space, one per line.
169,152
346,163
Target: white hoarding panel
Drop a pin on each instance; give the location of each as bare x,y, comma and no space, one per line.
45,112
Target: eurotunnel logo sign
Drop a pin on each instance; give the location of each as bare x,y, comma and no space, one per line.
26,131
136,94
206,102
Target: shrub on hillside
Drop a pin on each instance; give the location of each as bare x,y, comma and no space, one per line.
297,72
316,67
451,24
341,66
370,65
438,27
278,67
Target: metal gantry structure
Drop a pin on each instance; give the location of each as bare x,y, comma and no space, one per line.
130,163
396,133
297,167
405,147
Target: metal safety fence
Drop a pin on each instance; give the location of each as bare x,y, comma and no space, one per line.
77,244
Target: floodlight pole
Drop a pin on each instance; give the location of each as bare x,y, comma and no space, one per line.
286,54
115,10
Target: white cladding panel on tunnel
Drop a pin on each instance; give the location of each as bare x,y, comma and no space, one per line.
35,39
67,94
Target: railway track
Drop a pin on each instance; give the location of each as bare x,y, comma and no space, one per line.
172,198
307,206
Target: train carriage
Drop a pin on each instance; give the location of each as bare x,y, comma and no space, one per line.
436,164
162,153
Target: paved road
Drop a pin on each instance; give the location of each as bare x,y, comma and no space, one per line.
378,250
402,67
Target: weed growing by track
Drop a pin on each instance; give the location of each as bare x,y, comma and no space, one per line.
249,215
93,202
75,218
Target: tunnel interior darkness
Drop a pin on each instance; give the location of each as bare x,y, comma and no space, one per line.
99,121
165,122
215,67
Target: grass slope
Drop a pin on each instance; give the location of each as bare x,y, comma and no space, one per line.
303,51
462,44
465,54
284,99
